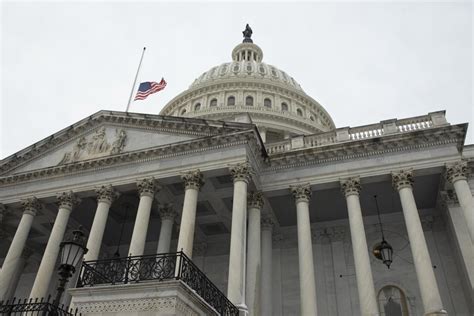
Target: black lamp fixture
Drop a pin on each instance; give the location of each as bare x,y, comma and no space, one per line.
382,251
71,252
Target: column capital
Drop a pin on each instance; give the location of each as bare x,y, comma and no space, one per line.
301,192
193,179
402,179
67,199
351,186
241,172
456,171
167,211
255,199
106,193
449,197
266,222
31,206
147,187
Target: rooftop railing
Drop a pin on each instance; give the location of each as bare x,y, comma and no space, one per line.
35,307
159,267
389,127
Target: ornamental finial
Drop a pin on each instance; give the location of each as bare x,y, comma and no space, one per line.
247,34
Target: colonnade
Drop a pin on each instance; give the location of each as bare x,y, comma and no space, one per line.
250,277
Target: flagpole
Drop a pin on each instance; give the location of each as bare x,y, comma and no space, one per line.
135,81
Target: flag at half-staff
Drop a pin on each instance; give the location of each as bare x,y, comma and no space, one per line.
149,87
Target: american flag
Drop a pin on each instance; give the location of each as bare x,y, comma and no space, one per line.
149,87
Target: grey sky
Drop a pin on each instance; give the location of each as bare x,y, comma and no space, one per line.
364,62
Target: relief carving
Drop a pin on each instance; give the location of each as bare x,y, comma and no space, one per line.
97,146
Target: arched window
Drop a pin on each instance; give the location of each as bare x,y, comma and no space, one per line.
197,107
249,101
231,101
213,102
299,112
284,107
392,301
267,103
311,118
183,111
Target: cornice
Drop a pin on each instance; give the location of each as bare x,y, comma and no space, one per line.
351,150
149,154
170,124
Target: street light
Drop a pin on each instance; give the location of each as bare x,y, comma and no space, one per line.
71,252
382,251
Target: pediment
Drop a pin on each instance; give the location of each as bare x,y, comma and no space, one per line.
108,134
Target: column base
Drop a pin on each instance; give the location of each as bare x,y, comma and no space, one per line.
437,313
243,310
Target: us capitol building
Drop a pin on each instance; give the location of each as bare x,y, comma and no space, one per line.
243,198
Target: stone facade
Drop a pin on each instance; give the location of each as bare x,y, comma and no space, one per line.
255,214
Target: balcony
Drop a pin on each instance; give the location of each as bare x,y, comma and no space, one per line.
39,307
143,281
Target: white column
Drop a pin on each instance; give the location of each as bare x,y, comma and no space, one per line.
267,247
105,197
12,259
302,195
193,181
48,262
402,181
236,282
457,175
19,269
253,283
365,282
167,215
146,188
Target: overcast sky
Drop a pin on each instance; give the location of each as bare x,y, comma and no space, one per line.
363,61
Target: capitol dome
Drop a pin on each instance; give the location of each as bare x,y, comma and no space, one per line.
275,102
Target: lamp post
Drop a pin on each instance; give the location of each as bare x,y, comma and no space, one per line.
382,251
71,252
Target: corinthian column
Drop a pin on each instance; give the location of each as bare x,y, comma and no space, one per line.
193,181
167,215
146,188
252,290
48,263
457,174
267,289
13,257
402,182
302,195
365,283
105,197
241,174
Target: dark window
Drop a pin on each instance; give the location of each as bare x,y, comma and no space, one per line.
197,107
267,103
213,102
299,112
249,101
231,100
284,106
183,111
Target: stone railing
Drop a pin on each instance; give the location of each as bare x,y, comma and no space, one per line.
388,127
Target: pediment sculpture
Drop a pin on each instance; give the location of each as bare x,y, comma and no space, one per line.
96,146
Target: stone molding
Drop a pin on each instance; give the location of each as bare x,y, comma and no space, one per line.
106,193
255,200
167,211
241,172
402,179
31,206
456,171
147,187
351,186
266,222
67,200
332,234
301,193
193,179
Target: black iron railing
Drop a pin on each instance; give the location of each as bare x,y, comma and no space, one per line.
159,267
36,307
